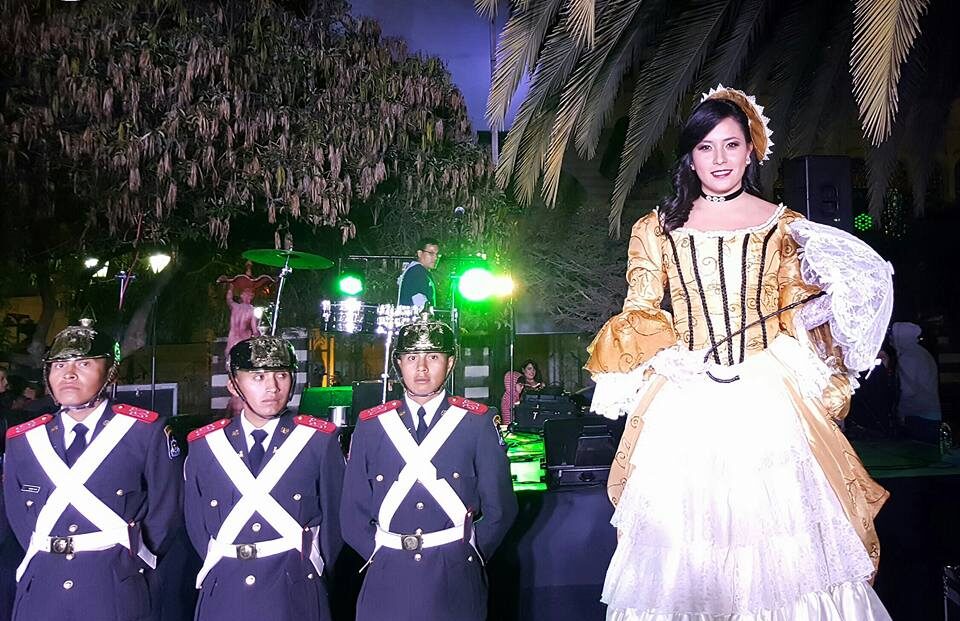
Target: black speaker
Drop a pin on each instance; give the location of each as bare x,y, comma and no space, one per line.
536,408
369,393
578,451
820,187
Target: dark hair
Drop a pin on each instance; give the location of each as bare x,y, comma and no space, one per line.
686,185
427,241
536,377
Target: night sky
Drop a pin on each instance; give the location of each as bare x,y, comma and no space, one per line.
450,29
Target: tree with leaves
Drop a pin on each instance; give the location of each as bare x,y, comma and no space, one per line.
157,121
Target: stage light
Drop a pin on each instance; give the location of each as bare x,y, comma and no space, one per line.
350,284
477,284
102,272
91,262
503,286
158,262
863,222
258,312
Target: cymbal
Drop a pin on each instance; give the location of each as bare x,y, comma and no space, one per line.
293,258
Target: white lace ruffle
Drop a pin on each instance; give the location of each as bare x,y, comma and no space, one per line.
859,286
617,394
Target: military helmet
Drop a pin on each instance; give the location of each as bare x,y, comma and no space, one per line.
263,353
424,336
82,341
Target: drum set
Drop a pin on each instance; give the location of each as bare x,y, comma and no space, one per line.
350,316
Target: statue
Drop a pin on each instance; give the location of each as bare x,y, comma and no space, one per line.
243,322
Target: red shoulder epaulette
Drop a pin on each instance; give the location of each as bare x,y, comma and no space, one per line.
380,409
196,434
23,428
468,405
316,423
134,412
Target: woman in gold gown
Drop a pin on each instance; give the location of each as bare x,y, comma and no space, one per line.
737,496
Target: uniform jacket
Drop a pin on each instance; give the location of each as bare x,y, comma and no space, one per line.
286,585
140,480
445,582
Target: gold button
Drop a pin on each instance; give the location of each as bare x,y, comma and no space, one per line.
470,558
250,580
297,496
119,492
309,576
256,527
72,528
379,477
419,531
456,475
29,503
140,570
69,557
68,584
417,557
214,503
420,506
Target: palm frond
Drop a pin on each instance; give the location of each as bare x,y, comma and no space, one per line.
519,47
487,8
881,162
794,35
559,57
817,88
582,21
531,151
658,90
616,18
883,33
732,48
607,83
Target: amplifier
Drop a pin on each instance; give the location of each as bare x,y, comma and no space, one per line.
578,451
534,410
951,593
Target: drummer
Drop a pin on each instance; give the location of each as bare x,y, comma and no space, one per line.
416,286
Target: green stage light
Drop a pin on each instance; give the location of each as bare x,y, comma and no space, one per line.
503,286
477,284
863,222
350,284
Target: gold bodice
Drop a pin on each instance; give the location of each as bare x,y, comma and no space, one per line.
718,282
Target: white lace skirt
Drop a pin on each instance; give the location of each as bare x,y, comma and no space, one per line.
727,514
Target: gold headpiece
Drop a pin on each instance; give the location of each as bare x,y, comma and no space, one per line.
759,125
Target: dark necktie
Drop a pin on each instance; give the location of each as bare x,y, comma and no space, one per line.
79,443
257,452
421,425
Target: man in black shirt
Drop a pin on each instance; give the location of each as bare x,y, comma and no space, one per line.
416,283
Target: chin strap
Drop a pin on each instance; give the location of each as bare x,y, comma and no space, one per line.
428,394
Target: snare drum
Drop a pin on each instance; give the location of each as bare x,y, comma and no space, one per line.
349,316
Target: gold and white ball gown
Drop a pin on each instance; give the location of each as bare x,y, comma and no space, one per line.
737,496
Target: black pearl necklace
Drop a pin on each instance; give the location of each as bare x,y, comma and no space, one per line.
722,199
